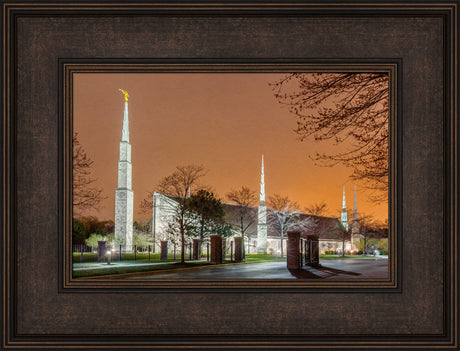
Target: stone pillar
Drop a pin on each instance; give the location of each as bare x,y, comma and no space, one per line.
196,249
315,253
216,249
164,250
312,253
293,250
238,248
101,250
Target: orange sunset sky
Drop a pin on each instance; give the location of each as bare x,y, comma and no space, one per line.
222,121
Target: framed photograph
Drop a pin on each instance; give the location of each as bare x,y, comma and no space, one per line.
199,223
236,175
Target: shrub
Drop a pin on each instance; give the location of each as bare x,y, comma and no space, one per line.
94,238
141,239
329,252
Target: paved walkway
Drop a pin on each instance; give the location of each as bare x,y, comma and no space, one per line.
104,265
332,269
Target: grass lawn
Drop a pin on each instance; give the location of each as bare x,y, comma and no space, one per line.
126,256
154,257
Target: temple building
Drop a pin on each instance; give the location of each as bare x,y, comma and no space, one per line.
124,195
262,235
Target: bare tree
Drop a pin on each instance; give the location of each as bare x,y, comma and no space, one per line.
317,209
146,204
85,194
177,185
345,232
284,215
350,109
208,210
369,227
245,198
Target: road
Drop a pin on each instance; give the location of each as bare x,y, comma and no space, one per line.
332,269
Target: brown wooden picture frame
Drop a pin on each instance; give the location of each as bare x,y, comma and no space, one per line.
43,308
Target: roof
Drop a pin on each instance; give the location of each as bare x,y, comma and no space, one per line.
326,227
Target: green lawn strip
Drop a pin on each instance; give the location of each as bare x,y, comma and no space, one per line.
142,256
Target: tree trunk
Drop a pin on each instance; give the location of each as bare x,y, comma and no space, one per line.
224,248
182,246
242,235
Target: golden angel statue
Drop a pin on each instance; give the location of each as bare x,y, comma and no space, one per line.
125,93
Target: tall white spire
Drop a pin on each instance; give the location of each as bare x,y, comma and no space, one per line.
262,216
355,207
344,216
262,183
124,195
125,130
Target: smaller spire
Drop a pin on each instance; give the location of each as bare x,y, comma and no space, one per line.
344,215
355,206
262,184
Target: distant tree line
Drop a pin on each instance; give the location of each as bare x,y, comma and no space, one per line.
89,230
83,227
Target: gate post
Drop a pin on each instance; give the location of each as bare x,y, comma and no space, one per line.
101,249
301,252
315,253
293,250
196,249
216,249
164,250
238,248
